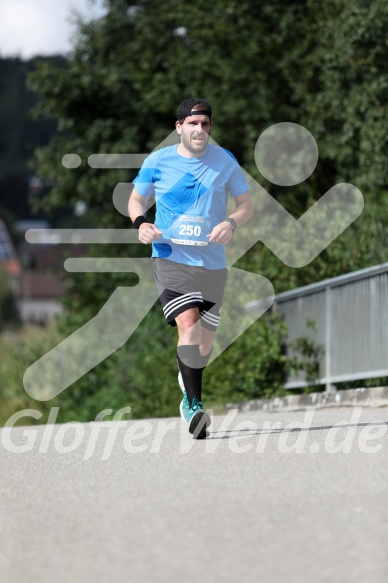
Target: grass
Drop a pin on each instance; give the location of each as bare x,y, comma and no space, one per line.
17,353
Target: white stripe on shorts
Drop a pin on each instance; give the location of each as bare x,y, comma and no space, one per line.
210,318
172,305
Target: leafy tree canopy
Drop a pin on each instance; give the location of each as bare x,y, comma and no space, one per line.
319,64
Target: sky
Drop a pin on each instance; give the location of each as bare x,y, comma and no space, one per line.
41,27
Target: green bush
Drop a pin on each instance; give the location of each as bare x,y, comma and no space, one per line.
18,352
253,367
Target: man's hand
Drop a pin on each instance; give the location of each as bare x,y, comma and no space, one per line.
148,233
222,233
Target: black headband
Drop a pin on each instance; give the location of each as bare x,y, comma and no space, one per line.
200,112
187,106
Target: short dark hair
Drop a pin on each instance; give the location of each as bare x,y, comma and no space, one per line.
194,104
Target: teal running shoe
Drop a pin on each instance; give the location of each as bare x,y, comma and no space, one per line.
184,408
199,420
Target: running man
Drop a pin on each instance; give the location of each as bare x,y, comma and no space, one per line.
191,182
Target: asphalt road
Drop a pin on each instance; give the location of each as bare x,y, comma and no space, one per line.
268,497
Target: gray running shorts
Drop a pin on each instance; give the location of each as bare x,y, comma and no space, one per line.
182,287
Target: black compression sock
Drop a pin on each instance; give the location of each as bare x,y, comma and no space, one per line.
191,365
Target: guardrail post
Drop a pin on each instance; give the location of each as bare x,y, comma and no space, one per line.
329,387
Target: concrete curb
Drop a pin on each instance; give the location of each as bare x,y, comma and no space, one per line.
375,397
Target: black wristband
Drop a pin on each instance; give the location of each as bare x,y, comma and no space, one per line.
232,223
139,221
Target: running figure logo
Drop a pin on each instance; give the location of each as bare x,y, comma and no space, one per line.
286,154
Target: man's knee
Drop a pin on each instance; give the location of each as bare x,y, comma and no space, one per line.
187,319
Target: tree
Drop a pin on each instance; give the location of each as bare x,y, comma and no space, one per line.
257,63
19,133
320,65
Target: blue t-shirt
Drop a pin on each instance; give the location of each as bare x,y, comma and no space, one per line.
191,197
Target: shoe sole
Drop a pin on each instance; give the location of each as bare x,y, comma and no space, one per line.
199,423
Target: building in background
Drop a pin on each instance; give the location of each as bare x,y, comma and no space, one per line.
35,279
8,256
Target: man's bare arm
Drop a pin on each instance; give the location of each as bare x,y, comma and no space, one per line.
222,233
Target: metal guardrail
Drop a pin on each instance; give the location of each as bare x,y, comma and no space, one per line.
350,313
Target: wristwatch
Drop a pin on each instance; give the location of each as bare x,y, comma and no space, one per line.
232,223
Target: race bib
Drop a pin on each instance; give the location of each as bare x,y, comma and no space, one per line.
188,230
